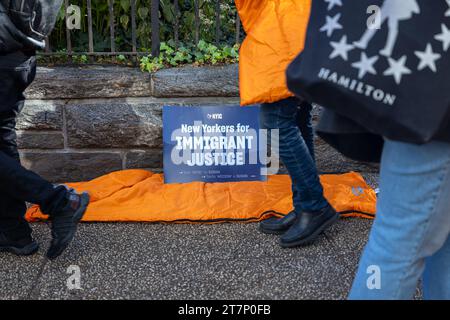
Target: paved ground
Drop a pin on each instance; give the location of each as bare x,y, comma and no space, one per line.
154,261
228,261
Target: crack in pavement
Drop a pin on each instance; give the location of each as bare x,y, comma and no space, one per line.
36,281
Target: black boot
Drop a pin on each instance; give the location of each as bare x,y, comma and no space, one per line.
64,223
22,247
278,225
308,226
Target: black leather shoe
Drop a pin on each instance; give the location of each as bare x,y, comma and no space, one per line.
22,247
308,226
277,225
64,223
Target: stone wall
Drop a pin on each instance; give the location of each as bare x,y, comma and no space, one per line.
79,123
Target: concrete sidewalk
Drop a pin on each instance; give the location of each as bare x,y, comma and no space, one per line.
156,261
148,261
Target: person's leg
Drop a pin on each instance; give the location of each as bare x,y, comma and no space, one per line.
294,153
17,184
267,121
12,211
436,278
303,119
17,71
304,123
312,209
15,233
412,220
21,184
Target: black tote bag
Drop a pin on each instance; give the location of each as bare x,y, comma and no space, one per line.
394,79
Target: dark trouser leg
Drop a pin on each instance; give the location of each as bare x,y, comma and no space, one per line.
18,184
12,221
295,154
22,184
304,123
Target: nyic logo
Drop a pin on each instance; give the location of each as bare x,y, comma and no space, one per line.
214,116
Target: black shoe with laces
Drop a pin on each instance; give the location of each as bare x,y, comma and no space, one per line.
277,225
22,247
308,226
64,223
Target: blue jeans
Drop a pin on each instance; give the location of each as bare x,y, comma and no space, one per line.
410,235
296,150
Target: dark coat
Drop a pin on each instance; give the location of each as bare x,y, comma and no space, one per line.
24,24
349,138
356,142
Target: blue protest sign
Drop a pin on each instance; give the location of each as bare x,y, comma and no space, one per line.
211,144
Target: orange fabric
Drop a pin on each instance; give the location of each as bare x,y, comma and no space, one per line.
276,31
140,195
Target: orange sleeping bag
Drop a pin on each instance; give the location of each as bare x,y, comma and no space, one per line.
276,31
140,195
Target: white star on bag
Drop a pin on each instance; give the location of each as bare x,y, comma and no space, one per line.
392,14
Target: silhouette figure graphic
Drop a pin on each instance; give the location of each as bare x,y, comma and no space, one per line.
392,11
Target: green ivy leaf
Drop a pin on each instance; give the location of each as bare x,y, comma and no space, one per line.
125,4
124,20
143,12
